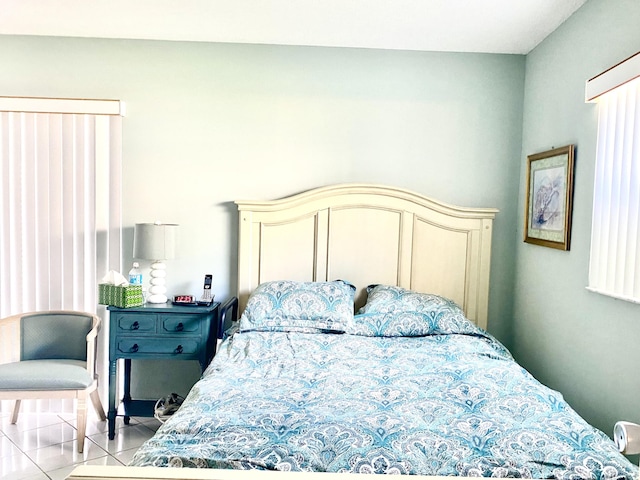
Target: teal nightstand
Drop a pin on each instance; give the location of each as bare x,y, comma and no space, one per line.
156,331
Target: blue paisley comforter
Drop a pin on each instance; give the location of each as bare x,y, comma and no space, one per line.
453,404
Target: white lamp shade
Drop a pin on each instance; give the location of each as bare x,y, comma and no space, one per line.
154,241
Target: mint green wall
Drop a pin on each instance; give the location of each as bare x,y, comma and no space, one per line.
581,343
210,123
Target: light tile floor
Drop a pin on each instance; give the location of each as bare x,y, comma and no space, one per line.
43,446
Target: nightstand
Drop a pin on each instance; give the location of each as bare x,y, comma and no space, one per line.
156,331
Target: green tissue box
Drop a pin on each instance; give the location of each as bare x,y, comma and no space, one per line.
123,296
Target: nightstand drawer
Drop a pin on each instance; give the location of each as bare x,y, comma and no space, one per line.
135,324
179,323
158,346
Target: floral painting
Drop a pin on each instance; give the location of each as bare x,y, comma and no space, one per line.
549,194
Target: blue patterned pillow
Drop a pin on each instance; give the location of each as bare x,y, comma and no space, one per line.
397,312
299,306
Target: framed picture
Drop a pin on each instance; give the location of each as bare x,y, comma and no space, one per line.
549,197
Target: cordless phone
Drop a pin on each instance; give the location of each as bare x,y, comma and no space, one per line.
207,297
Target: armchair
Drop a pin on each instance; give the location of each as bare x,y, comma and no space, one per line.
54,355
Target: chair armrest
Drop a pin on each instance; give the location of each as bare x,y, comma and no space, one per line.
92,340
10,339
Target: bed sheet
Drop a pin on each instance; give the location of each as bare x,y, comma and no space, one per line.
434,405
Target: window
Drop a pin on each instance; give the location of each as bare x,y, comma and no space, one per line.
60,225
614,267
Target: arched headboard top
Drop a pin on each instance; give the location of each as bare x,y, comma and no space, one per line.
340,193
368,234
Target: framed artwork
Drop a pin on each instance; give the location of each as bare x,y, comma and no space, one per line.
549,198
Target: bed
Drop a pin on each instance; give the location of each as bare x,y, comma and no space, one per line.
411,383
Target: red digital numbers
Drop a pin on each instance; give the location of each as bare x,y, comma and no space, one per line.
184,299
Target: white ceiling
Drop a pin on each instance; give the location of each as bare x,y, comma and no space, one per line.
492,26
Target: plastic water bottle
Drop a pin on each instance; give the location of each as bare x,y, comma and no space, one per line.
135,274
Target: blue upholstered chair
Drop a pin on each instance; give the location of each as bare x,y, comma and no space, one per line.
54,357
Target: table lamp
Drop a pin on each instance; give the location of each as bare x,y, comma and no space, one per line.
155,241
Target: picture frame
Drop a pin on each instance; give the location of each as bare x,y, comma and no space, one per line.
549,198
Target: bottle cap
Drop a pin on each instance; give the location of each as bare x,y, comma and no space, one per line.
136,264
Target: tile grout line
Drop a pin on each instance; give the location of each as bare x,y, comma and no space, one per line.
23,453
94,443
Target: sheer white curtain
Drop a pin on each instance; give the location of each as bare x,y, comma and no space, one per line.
614,267
60,229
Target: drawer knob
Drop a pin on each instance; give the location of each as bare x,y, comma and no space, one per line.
135,347
135,325
179,327
179,349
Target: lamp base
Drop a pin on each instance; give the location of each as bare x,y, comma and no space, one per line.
157,298
158,290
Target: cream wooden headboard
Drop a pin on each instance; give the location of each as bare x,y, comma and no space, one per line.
362,233
368,234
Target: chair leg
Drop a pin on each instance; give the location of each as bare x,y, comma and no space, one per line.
16,411
97,405
82,421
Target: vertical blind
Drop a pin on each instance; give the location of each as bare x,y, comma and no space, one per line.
60,228
614,267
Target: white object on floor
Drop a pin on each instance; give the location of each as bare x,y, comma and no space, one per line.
627,437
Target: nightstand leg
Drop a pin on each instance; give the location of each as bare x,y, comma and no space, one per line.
127,389
112,400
